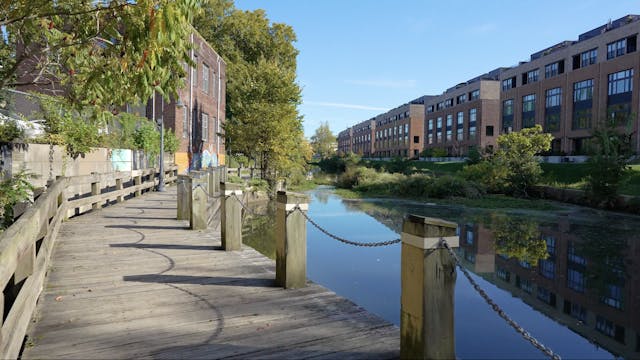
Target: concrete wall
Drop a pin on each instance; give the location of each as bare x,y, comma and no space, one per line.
46,162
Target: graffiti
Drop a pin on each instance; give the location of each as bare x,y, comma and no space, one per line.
121,159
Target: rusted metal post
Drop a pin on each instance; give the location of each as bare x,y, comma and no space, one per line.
428,278
291,240
231,216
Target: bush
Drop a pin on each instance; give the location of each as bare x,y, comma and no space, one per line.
259,184
491,175
235,179
9,131
474,156
449,186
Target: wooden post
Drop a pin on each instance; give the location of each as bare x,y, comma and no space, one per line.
137,180
95,190
211,176
231,216
198,209
119,198
427,281
184,198
291,240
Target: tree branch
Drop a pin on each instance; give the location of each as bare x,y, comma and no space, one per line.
7,21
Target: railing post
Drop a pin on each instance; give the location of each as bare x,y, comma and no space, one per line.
291,240
184,198
231,216
428,278
119,198
137,180
95,190
211,173
198,209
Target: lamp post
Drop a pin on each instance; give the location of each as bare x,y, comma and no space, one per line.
161,177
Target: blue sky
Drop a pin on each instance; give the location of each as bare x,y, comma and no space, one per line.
360,58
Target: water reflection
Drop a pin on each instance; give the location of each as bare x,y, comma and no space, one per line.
572,268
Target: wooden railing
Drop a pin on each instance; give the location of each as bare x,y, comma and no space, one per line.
25,247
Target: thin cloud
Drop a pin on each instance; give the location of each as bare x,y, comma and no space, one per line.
344,106
395,84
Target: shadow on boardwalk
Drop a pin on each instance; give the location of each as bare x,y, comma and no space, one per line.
130,281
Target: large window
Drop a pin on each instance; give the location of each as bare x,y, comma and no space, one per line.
528,110
547,268
439,129
449,127
430,132
462,99
576,280
588,57
554,69
205,78
553,102
530,76
475,94
509,83
460,126
582,104
507,115
205,127
583,90
620,82
473,117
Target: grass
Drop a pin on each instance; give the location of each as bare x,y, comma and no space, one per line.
450,167
574,176
486,202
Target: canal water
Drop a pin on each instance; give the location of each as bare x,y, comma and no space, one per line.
570,277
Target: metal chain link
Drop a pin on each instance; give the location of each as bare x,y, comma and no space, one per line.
519,329
249,211
342,240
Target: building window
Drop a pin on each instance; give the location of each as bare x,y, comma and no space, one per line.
448,103
205,78
474,95
620,82
613,296
461,99
439,129
185,122
619,96
547,268
430,109
585,58
554,69
194,71
440,105
489,130
576,280
553,102
503,274
449,126
621,47
509,83
573,256
551,244
582,104
416,139
460,126
524,284
546,296
576,311
205,127
609,329
507,115
473,114
528,110
530,76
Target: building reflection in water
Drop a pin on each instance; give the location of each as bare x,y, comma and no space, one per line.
586,278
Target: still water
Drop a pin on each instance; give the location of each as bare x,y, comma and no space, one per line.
569,277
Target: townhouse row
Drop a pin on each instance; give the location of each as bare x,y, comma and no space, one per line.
568,89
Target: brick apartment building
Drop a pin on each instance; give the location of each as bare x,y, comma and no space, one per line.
344,140
400,131
464,116
571,86
362,138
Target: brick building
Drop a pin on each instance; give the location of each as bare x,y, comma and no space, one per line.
464,116
345,139
571,86
363,138
400,131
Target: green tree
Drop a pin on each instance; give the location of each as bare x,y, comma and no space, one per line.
100,53
262,120
610,149
517,152
323,142
518,238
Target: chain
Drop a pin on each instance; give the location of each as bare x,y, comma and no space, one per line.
207,192
342,240
528,337
51,152
247,209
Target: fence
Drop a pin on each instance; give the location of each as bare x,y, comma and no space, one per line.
25,247
428,263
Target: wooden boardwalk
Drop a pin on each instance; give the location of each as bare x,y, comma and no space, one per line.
130,281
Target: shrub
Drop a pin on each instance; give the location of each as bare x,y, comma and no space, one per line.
235,179
439,152
9,131
259,184
474,156
448,186
491,175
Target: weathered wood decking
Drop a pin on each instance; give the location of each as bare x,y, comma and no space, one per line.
130,281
